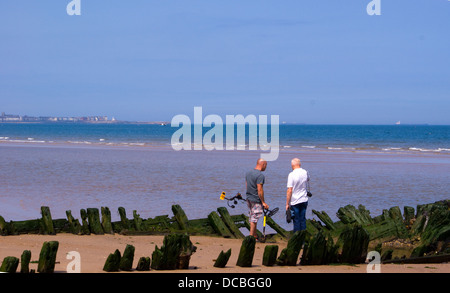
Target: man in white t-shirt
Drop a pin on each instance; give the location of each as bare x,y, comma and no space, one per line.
296,195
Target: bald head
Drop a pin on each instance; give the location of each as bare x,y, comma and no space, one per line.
295,163
261,164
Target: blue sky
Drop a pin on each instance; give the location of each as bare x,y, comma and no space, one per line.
318,62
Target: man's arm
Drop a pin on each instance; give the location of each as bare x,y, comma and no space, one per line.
288,198
261,196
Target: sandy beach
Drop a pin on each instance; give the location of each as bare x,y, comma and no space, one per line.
94,249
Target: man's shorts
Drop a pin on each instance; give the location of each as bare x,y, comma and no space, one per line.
255,211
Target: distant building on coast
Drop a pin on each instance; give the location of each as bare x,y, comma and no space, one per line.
10,118
17,118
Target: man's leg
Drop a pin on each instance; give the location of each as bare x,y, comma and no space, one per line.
302,215
296,219
253,217
253,229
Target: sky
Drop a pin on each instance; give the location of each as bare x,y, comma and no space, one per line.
314,62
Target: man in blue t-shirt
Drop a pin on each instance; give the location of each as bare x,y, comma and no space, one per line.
254,181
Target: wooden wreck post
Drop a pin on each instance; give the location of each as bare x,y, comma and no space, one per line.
320,250
143,264
94,221
247,251
74,224
9,264
270,255
84,220
47,222
123,218
25,261
181,217
289,255
219,226
230,223
175,253
272,224
106,220
408,214
355,244
112,263
185,253
222,259
3,227
47,257
325,218
126,261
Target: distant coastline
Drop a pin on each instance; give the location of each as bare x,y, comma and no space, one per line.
98,119
87,122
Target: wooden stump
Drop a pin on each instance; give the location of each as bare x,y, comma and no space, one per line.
222,259
435,229
355,244
408,214
174,254
320,250
181,217
74,224
349,215
9,264
323,216
84,220
186,250
112,263
270,255
95,226
395,213
157,259
219,226
272,224
137,221
226,218
106,220
123,218
170,249
3,227
126,261
47,222
25,261
289,255
246,252
143,264
47,257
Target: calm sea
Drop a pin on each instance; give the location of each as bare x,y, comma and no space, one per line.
412,138
74,166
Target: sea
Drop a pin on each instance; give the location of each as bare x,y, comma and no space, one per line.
73,166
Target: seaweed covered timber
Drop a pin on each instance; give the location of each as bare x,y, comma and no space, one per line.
419,235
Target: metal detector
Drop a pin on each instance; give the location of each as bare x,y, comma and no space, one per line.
267,213
233,200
